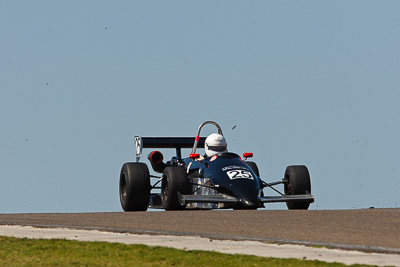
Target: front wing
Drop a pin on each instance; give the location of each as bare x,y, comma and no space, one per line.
218,198
289,198
222,198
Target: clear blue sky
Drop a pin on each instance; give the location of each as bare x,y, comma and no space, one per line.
305,82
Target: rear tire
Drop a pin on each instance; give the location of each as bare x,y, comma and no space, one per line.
298,183
174,180
254,167
134,187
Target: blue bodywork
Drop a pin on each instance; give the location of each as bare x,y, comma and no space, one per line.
229,175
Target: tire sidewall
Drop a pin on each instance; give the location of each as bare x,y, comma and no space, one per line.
136,179
174,180
299,183
254,167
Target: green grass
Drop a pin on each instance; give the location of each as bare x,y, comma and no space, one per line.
60,252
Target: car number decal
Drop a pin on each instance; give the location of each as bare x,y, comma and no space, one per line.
239,174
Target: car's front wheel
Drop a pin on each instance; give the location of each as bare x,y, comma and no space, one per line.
297,182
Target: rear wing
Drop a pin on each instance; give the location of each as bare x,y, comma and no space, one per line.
165,142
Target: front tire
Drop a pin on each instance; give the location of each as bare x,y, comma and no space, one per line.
298,182
134,187
174,180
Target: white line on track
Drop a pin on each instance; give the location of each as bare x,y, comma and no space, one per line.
200,243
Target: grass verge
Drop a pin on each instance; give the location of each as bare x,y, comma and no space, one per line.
60,252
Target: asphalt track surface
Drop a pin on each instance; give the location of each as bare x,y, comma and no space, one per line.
376,230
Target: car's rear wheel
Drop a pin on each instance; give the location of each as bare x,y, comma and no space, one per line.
174,180
134,187
297,182
254,167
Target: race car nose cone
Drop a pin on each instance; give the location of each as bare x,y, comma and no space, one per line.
248,202
243,201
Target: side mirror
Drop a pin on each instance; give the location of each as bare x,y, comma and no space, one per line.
194,156
247,155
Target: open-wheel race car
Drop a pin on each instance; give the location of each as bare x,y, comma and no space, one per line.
219,179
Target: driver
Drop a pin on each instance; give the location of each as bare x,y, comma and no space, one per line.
215,143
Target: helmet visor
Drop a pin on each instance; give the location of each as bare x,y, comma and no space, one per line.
217,148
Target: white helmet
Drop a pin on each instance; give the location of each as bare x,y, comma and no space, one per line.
215,143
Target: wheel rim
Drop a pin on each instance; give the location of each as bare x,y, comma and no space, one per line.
165,192
123,188
288,185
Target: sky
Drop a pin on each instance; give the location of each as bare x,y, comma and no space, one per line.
315,83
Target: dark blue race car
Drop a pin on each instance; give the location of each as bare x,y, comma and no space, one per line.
223,180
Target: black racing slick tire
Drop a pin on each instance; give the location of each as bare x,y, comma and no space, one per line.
297,182
134,187
254,167
174,180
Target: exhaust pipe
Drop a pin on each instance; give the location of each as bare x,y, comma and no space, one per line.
156,160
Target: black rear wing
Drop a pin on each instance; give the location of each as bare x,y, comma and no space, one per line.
165,142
